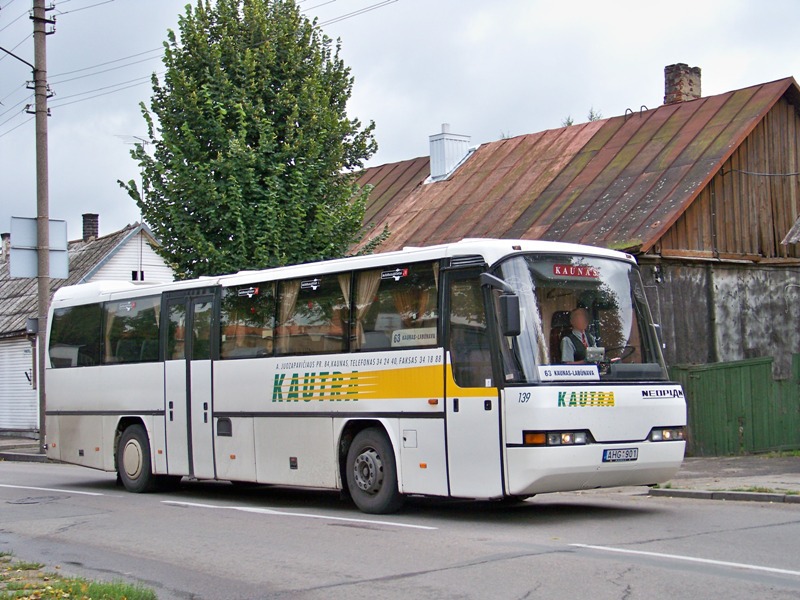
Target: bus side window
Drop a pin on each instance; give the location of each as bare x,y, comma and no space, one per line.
313,315
131,330
76,336
176,334
247,321
397,307
201,330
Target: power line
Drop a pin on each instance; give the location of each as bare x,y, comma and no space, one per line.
136,62
140,80
7,120
358,12
318,5
23,101
98,95
74,10
12,21
108,62
25,39
15,91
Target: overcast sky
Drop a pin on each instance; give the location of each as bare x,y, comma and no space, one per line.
489,68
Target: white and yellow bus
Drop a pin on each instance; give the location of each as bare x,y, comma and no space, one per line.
430,371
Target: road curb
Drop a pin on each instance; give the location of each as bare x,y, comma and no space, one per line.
23,457
724,495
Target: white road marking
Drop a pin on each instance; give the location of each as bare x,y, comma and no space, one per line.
41,489
705,561
281,513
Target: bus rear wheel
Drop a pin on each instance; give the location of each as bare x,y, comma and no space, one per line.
133,460
372,473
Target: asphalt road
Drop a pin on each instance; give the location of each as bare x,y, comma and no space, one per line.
212,540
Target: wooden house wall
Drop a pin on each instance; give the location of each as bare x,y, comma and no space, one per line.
745,216
718,312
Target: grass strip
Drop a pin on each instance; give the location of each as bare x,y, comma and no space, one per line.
22,580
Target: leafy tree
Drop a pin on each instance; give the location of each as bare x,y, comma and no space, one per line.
567,122
255,158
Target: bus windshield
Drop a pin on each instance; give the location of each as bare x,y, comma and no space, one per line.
584,311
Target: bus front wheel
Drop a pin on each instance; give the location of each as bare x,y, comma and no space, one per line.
372,473
133,460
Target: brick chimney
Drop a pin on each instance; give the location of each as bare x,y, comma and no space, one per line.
448,150
681,83
91,226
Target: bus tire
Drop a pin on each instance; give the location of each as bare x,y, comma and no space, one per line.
372,473
133,460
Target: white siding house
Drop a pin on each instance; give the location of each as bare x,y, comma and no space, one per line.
19,409
126,255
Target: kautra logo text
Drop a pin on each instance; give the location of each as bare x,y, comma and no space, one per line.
331,386
582,399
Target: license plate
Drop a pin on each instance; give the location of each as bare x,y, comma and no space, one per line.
620,455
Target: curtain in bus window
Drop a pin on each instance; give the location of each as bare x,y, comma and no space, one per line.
411,303
366,290
403,310
344,284
320,321
289,291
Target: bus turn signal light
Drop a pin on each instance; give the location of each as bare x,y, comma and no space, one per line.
535,438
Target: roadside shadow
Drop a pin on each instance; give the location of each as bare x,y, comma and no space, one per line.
544,509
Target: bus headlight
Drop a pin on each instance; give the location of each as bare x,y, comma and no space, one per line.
666,434
555,438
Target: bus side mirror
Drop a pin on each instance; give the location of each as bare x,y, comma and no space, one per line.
510,324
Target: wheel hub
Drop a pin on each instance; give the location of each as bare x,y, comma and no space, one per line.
132,459
368,471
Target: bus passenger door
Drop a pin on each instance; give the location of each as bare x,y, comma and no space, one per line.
474,461
188,390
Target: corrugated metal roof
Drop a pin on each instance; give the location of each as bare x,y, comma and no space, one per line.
620,182
18,296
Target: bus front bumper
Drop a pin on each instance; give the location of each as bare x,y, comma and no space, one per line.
532,470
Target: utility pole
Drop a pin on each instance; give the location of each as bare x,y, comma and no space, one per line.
40,22
39,68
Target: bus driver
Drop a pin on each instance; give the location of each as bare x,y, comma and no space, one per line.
575,343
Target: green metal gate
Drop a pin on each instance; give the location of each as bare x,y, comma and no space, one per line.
738,408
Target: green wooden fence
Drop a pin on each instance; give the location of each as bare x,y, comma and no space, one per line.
738,408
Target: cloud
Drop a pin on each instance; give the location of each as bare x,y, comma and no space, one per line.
488,68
